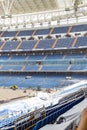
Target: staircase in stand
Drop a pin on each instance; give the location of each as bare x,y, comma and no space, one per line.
69,67
3,45
19,45
33,33
51,30
23,68
1,34
35,46
40,67
17,34
69,30
75,41
55,42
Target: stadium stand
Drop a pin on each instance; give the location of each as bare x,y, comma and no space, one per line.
81,42
27,45
25,33
60,30
49,57
9,34
66,42
56,30
45,44
1,43
10,45
79,28
42,32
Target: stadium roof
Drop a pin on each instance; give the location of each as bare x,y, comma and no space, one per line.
39,11
31,6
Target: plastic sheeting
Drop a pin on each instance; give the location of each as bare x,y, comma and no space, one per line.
17,108
71,118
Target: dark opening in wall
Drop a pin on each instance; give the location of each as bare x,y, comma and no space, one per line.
57,36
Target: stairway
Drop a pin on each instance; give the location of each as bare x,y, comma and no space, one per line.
75,41
55,42
69,30
69,67
23,68
35,46
40,67
19,45
51,30
3,45
33,33
17,34
1,34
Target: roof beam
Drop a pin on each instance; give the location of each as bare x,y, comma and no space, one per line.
7,5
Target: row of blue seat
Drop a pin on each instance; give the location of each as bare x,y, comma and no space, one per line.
44,44
43,57
48,67
57,30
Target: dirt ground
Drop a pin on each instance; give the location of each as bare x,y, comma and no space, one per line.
7,94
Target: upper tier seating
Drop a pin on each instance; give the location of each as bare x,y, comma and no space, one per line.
26,33
27,45
64,42
82,41
42,32
79,28
10,45
58,30
45,44
9,34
